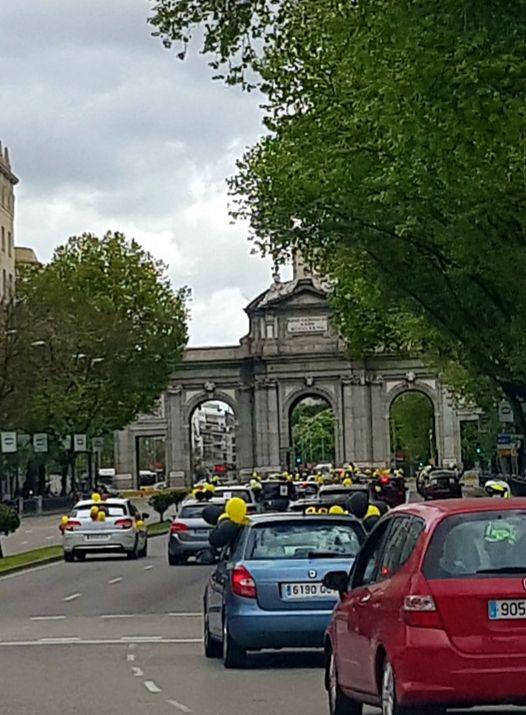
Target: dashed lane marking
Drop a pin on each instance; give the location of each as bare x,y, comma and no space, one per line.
137,673
185,615
115,580
130,657
148,568
48,618
59,641
179,706
72,597
151,687
109,616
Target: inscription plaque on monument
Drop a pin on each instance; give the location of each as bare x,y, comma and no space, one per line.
298,326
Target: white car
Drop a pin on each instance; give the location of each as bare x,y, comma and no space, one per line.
122,530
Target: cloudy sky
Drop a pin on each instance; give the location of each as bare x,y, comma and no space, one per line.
108,130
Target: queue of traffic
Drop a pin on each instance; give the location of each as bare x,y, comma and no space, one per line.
418,606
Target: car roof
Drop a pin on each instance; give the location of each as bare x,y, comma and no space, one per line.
434,510
209,502
273,518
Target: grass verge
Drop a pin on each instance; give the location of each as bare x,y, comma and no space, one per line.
30,558
159,529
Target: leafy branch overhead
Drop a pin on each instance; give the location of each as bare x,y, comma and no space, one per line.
395,162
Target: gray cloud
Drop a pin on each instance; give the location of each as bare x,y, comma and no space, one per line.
108,130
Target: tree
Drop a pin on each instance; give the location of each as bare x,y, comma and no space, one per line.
412,428
161,503
9,522
313,432
97,334
395,155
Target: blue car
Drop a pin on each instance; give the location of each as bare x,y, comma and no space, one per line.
267,593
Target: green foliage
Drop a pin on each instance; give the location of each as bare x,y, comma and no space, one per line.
394,161
162,501
412,427
9,519
98,332
313,433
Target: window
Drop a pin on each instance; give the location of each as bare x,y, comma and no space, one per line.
366,568
401,542
4,283
111,510
10,243
3,239
478,545
302,539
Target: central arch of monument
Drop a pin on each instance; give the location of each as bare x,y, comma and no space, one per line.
291,351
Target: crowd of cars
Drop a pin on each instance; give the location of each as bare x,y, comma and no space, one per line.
423,612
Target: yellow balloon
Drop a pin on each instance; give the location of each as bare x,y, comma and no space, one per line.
373,511
347,482
101,516
64,520
311,510
336,509
94,510
140,524
236,509
95,497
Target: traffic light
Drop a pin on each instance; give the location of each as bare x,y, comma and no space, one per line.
478,449
298,460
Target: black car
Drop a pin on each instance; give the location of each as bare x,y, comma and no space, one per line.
439,484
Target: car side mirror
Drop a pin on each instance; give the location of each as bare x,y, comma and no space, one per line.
145,515
337,581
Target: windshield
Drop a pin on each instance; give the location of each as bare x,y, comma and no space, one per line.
477,545
84,511
229,493
303,540
192,512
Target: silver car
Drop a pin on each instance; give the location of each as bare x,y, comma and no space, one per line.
121,531
189,531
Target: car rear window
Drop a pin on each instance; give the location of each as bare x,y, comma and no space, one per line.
83,512
303,540
192,512
478,545
229,493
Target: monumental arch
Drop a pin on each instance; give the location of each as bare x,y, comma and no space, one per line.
291,351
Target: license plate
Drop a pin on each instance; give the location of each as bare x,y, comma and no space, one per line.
513,609
98,537
303,591
201,532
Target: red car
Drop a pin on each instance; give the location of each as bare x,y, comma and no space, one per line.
433,614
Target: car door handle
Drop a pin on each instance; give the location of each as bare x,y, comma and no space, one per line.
364,600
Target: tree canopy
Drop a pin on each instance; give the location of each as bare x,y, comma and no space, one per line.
313,432
394,161
95,336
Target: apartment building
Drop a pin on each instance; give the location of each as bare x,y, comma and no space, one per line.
7,213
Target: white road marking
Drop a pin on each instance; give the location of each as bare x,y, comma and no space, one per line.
148,568
100,641
185,615
23,543
109,616
48,618
49,538
179,706
130,658
115,580
29,531
137,672
73,597
151,687
140,639
59,641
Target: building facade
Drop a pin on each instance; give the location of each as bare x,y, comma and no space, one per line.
7,232
213,437
292,352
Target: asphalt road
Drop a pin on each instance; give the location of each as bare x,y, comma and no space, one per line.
113,636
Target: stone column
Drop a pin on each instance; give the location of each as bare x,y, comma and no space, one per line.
451,443
178,447
273,426
379,423
359,428
266,426
245,430
125,459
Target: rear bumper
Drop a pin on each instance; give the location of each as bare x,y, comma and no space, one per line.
429,670
176,547
254,628
124,541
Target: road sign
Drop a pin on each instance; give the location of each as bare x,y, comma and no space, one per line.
504,438
97,444
8,441
505,412
40,443
80,443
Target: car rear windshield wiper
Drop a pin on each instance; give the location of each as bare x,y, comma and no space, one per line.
504,569
325,555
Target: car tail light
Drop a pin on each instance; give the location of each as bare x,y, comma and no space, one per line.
124,523
384,480
177,527
242,583
72,525
421,612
